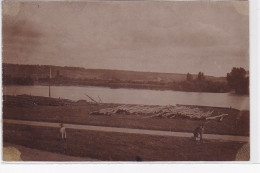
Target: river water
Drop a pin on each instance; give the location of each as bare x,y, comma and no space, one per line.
134,96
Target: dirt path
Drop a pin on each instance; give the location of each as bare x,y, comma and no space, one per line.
128,130
29,154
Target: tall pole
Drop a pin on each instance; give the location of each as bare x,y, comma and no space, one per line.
50,83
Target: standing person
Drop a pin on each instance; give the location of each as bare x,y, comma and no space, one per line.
199,131
63,132
196,133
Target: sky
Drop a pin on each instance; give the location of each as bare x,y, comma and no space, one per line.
171,37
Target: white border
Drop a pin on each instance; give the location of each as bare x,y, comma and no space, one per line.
171,166
254,81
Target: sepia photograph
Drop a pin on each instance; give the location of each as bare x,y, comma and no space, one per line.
128,81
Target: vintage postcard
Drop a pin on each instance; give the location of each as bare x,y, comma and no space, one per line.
125,81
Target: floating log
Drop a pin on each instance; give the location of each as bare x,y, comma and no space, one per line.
99,99
218,116
91,98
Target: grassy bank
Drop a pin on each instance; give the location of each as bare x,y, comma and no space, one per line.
109,146
58,110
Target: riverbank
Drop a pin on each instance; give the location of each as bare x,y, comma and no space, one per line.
81,112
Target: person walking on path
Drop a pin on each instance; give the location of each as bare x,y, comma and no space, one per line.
63,132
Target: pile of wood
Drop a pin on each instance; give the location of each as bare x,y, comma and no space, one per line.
156,111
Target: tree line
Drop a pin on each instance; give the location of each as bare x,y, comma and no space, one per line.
8,80
237,80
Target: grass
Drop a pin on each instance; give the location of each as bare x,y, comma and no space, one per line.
111,146
108,146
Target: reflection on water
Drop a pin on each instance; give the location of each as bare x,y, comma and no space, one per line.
134,96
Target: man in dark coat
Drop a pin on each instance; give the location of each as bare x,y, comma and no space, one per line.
199,131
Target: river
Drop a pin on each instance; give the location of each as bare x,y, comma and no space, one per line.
134,96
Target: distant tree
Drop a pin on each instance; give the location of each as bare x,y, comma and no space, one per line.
238,80
201,76
189,77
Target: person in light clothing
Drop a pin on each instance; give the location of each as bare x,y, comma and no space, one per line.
63,132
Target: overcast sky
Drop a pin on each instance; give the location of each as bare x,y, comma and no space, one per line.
174,37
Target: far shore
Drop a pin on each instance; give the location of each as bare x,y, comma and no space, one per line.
127,85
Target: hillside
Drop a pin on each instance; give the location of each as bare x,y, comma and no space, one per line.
42,71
